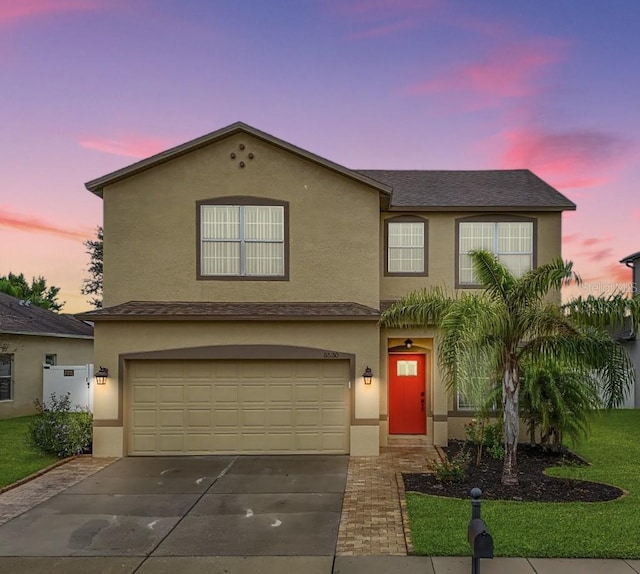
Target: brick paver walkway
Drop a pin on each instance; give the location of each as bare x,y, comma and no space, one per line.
372,516
21,498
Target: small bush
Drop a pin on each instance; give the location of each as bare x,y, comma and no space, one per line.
452,470
60,429
486,438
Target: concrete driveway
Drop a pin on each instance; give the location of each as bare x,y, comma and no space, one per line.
163,507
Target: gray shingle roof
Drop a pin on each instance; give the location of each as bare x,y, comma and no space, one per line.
18,317
477,190
205,310
631,258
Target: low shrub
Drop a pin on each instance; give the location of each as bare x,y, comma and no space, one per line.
452,470
61,429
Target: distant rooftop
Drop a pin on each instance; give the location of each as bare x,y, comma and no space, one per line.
23,318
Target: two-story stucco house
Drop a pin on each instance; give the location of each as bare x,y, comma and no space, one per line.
243,282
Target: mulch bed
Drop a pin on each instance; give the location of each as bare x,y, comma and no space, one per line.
534,485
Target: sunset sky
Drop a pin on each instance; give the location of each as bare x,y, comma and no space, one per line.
90,86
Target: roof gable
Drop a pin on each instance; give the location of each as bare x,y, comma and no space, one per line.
20,317
97,185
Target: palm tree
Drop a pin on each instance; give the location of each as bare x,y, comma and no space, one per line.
487,335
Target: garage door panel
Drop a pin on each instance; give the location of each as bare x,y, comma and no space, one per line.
144,394
309,393
225,418
256,393
226,393
279,417
168,418
144,418
208,407
199,418
199,393
171,443
253,417
280,393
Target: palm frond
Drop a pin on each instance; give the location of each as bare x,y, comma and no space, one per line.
492,275
418,308
612,312
537,283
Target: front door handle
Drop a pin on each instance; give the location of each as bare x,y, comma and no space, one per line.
422,402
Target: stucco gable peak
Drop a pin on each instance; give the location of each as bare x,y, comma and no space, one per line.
97,185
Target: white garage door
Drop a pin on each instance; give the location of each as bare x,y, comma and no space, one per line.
221,407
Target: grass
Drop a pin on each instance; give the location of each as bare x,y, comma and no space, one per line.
552,530
18,457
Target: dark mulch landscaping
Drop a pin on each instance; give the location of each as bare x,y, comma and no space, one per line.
534,485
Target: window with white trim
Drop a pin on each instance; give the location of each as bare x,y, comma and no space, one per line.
242,241
6,377
511,241
406,246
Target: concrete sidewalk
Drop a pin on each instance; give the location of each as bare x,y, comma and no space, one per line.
310,565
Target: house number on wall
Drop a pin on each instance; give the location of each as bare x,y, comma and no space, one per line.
330,355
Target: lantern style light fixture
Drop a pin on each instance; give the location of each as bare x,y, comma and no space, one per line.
408,343
367,375
101,375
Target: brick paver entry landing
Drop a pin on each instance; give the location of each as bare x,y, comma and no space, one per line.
372,514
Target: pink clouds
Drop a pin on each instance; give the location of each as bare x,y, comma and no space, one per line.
14,10
578,158
32,224
129,146
509,72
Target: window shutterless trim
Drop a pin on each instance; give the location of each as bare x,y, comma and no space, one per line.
242,200
425,246
495,218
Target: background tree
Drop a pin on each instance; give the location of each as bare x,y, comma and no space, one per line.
37,292
488,335
93,285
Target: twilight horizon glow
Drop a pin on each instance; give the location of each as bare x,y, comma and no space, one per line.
94,85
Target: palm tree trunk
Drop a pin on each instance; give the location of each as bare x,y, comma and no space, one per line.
511,425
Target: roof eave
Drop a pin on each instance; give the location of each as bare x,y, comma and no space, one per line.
38,334
97,185
236,318
481,208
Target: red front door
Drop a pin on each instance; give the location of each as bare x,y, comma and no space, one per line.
407,396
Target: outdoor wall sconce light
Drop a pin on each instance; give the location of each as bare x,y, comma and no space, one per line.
101,375
408,343
367,375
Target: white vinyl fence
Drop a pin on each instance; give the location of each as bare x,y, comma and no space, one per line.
77,380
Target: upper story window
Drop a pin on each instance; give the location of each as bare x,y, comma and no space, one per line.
243,238
511,239
406,246
6,377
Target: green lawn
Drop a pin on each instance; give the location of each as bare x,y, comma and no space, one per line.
18,457
528,529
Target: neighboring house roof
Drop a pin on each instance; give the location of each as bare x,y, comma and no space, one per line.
22,318
631,258
210,311
517,189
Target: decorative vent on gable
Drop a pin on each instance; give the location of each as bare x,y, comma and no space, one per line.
241,156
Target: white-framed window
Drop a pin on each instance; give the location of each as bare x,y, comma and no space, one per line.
243,240
406,246
50,359
6,377
511,241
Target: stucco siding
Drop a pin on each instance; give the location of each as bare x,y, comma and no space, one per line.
441,246
28,358
150,228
